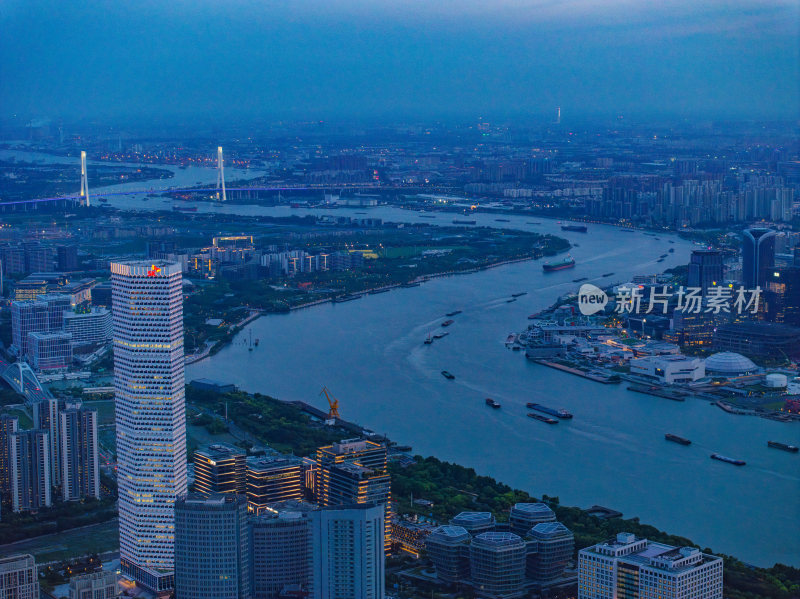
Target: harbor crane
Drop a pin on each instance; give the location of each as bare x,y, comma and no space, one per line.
332,402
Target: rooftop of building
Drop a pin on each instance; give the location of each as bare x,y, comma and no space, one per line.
213,500
533,509
271,462
729,362
550,530
498,539
220,451
451,534
348,446
649,553
472,518
762,329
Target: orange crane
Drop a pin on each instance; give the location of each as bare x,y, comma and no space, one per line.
332,402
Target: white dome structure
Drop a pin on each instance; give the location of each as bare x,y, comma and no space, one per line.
729,364
776,380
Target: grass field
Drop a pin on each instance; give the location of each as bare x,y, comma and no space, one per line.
105,410
70,543
24,420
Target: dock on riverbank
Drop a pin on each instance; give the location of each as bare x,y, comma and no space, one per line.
598,378
656,391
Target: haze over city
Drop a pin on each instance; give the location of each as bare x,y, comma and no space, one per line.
361,60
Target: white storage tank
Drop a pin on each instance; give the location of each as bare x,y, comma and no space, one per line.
776,381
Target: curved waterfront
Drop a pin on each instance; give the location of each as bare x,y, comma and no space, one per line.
370,353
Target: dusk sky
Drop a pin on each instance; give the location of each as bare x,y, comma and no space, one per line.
413,59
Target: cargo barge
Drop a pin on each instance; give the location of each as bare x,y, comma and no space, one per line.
783,446
677,439
722,458
541,418
563,414
492,403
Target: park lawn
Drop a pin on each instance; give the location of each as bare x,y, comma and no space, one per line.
25,421
105,410
69,544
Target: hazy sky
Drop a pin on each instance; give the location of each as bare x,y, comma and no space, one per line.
308,59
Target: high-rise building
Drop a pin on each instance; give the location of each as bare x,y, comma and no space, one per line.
89,326
782,295
354,471
758,254
42,315
49,351
497,564
273,478
80,461
212,548
98,585
150,415
348,551
18,577
474,522
30,471
281,548
45,417
67,257
448,549
220,468
627,566
8,426
705,269
550,547
525,516
27,316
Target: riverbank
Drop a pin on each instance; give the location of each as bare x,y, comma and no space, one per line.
212,349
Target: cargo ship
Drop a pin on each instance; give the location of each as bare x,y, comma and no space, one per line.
569,262
607,274
563,414
541,418
671,250
185,208
519,294
346,298
677,439
502,220
578,280
492,403
722,458
441,335
783,446
458,221
447,323
576,228
447,375
453,313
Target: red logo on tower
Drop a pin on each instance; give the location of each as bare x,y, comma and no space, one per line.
154,270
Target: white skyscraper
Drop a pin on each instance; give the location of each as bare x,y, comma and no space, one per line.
628,566
150,415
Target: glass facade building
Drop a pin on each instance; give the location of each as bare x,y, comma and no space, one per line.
150,415
212,549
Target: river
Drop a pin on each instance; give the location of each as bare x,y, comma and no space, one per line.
613,453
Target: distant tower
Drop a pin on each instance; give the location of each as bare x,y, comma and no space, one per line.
84,182
220,175
558,115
